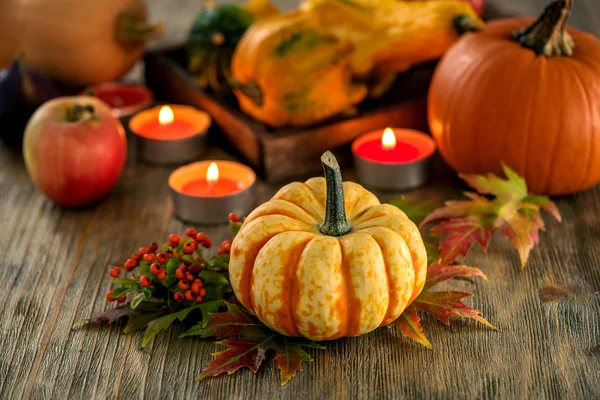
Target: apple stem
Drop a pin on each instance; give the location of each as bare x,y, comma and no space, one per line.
77,112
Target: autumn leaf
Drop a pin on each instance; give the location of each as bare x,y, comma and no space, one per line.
438,272
415,211
137,319
442,305
234,322
512,211
409,324
248,340
290,355
241,352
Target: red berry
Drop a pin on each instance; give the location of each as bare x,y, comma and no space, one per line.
196,287
233,217
189,277
143,250
153,247
165,309
162,275
174,239
199,299
189,247
136,257
178,297
189,296
203,239
145,281
114,272
130,264
225,247
162,258
183,285
202,292
155,268
195,269
191,232
244,219
180,273
109,296
122,298
149,257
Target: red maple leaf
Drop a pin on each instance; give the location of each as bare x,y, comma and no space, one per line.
248,340
511,211
442,305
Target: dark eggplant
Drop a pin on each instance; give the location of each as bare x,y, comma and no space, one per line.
22,91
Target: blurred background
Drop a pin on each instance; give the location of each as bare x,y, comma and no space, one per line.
178,15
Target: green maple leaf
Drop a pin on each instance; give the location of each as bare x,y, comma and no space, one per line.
442,305
248,340
512,211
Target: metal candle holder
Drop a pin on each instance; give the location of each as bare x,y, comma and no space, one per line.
212,210
176,151
395,176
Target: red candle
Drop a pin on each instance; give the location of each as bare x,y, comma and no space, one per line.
123,99
389,147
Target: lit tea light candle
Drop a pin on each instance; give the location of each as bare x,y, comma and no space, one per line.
207,191
393,159
124,99
170,134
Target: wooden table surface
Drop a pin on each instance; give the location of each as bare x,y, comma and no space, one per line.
53,272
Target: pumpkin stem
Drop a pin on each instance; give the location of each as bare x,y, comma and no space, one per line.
548,35
131,30
464,23
77,112
335,223
250,90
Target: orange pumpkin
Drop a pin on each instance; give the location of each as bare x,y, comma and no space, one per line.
305,269
526,95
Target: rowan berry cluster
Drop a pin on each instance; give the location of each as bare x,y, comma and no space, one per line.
176,266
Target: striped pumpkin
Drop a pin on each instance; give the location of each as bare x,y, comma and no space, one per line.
305,269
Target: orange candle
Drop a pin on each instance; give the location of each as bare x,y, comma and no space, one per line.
212,185
171,134
207,191
170,122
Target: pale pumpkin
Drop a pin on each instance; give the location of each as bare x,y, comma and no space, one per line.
526,93
81,42
324,259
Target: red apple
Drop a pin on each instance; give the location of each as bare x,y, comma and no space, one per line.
74,150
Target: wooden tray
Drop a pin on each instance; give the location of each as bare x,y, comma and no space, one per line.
282,154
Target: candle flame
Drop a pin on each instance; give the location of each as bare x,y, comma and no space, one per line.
212,173
165,116
388,140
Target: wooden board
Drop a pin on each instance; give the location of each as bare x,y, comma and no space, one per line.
280,154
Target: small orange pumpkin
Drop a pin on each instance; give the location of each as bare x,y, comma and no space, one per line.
324,280
525,96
